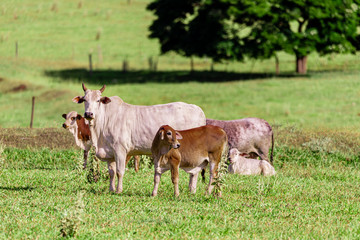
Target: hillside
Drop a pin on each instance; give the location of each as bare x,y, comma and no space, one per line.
54,40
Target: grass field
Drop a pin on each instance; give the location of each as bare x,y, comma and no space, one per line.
55,38
315,194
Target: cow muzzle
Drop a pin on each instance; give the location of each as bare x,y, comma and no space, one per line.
176,145
89,115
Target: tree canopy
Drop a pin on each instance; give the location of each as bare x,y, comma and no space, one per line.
233,29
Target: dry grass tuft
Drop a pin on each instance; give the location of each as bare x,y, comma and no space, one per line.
98,34
53,138
55,7
80,4
320,140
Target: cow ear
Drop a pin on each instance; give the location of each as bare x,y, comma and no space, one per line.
78,117
78,99
105,100
178,135
64,115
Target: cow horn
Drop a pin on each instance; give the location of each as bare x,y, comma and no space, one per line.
102,89
84,88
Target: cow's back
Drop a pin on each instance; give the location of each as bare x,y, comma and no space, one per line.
199,142
134,127
244,132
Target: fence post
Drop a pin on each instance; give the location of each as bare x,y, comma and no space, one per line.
125,65
90,64
32,112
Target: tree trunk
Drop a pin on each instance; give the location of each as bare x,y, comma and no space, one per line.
301,64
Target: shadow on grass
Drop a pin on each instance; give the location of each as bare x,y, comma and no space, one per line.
120,77
17,188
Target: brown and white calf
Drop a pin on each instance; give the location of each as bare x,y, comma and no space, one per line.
191,150
79,128
246,166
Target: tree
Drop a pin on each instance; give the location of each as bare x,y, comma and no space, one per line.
233,29
194,28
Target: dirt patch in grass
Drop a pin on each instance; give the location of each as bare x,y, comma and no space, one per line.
8,86
21,87
52,94
346,142
52,138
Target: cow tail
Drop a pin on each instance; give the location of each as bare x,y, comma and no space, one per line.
272,148
225,153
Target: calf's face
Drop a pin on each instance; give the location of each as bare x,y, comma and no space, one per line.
92,101
235,155
70,120
169,136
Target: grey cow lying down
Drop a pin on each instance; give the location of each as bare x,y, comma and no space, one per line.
247,166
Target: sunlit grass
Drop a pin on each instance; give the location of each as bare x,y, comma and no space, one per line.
62,39
313,195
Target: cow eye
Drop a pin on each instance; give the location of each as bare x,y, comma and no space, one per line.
72,119
168,133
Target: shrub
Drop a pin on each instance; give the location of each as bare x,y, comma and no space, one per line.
72,219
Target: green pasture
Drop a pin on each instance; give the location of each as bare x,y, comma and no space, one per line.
322,100
55,39
315,194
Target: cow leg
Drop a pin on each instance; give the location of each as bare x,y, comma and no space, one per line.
128,157
86,153
157,177
120,159
112,170
193,182
263,154
174,167
213,171
136,163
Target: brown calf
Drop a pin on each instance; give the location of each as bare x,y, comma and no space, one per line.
191,150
